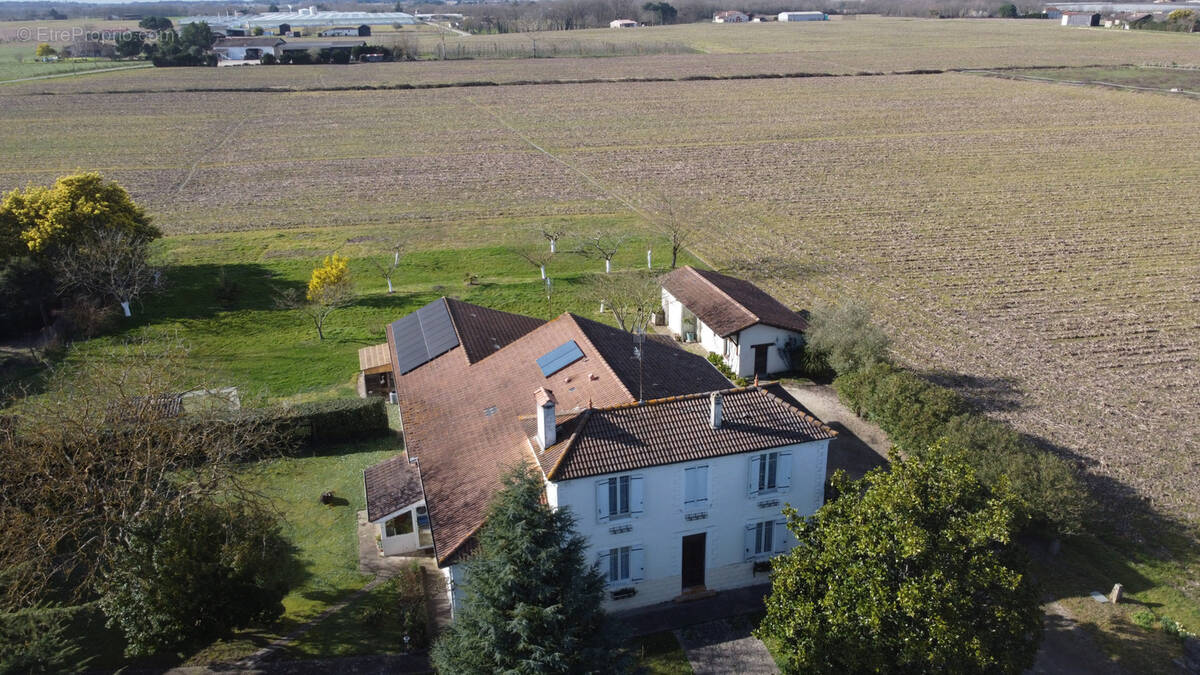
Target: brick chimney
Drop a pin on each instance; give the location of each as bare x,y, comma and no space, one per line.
547,435
714,410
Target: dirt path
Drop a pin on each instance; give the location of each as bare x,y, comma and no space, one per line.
860,445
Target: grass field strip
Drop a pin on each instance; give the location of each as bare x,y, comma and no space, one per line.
76,73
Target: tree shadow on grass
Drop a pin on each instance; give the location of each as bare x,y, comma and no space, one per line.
205,290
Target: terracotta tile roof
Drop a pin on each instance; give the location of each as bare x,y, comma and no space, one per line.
462,419
727,304
677,429
483,332
391,485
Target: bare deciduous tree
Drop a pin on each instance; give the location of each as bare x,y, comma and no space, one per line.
388,264
104,447
318,311
114,265
673,224
538,259
604,246
632,297
552,235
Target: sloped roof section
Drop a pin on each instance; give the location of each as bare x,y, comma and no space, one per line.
677,429
727,304
484,331
462,418
391,485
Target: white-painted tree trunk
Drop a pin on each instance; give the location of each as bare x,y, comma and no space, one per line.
607,265
649,265
601,306
389,285
396,258
543,270
554,246
125,306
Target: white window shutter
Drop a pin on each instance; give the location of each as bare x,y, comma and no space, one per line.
702,484
755,461
602,564
602,501
637,563
749,540
636,495
783,474
783,536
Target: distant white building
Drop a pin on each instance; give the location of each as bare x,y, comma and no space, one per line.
753,332
1080,19
247,48
622,23
803,16
731,16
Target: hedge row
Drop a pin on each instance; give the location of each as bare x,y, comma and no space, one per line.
916,414
333,421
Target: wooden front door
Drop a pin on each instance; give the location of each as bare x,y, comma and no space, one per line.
693,560
760,359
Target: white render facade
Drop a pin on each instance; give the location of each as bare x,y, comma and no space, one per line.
713,505
738,350
405,531
715,502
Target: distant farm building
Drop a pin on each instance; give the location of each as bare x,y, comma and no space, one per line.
1053,13
731,16
803,16
247,48
622,23
308,17
1080,19
347,31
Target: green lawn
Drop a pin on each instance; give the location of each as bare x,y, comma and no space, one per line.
660,654
324,536
274,354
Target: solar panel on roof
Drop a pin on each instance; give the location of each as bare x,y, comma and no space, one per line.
560,357
423,336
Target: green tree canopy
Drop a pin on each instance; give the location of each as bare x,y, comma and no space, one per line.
191,576
72,212
160,23
1007,11
533,603
911,570
845,336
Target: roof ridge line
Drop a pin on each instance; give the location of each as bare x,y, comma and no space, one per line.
727,296
679,397
596,351
582,422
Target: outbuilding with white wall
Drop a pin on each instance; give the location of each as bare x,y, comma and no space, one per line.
754,333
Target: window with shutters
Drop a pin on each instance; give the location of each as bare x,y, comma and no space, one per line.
622,565
770,472
765,538
618,497
695,488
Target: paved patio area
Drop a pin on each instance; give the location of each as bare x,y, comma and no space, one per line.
725,646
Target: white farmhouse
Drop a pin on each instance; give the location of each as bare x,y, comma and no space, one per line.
622,23
753,332
677,481
730,16
803,16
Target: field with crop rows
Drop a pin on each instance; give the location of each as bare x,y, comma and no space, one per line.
836,47
1005,237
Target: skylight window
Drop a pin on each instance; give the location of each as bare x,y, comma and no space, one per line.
560,357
